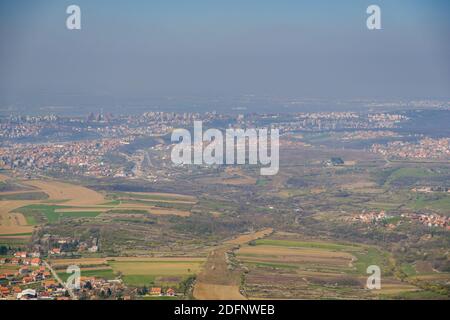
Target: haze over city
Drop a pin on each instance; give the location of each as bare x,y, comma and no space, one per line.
142,52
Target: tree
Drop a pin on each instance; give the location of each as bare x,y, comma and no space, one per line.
3,250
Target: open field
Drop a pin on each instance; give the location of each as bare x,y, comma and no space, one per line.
272,254
140,272
231,177
156,268
16,222
217,280
303,269
11,223
104,273
23,195
53,200
152,209
155,197
242,239
135,271
35,213
58,263
75,195
209,291
306,244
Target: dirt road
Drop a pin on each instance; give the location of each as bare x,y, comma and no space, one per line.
217,281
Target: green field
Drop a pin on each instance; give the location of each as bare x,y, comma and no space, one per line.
372,256
107,274
148,196
34,213
138,280
16,234
304,244
410,172
440,201
24,196
148,272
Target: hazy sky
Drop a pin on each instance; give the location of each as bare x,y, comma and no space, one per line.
295,48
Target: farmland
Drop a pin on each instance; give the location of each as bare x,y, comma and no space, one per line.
225,232
312,270
136,271
49,201
219,279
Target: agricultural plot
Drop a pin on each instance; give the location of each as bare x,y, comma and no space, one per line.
21,210
73,194
135,271
12,223
159,271
50,201
299,269
103,273
155,197
154,203
218,279
40,213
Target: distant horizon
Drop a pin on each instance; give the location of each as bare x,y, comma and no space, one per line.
207,49
244,104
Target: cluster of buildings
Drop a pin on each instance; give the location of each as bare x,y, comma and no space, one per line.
430,220
387,118
367,135
158,291
427,148
92,288
18,127
81,157
371,217
18,131
430,189
24,277
325,121
179,118
22,259
56,246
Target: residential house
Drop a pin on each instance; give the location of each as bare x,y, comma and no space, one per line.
55,251
26,280
20,254
4,291
35,262
155,291
26,261
47,284
35,254
24,270
170,292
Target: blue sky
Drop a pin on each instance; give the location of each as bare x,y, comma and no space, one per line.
280,47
